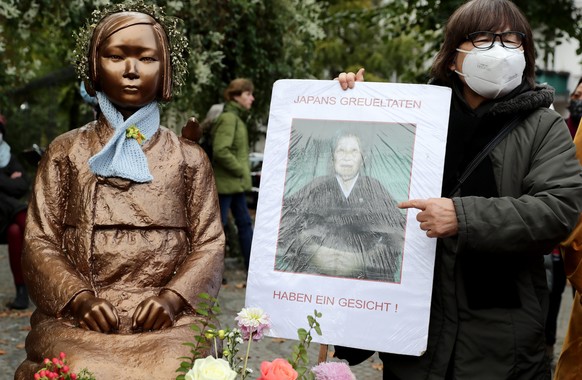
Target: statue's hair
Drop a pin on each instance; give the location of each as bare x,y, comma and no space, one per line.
104,23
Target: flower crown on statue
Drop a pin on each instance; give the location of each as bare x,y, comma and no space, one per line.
172,25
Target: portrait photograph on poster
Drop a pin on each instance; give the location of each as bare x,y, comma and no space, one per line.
339,215
328,233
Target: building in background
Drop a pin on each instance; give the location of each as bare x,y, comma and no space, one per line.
563,72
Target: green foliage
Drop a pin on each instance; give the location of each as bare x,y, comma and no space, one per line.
396,40
209,308
299,358
383,37
262,40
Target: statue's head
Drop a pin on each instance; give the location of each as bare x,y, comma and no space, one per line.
137,44
117,33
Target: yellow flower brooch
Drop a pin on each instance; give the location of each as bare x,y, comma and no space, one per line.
133,132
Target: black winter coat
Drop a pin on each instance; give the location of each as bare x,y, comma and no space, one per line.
12,190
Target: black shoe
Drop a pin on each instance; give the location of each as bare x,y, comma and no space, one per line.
21,300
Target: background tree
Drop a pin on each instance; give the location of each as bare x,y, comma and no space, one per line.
396,40
264,40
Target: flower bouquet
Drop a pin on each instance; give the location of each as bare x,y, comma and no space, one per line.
252,324
58,369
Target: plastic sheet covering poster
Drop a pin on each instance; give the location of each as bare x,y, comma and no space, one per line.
328,235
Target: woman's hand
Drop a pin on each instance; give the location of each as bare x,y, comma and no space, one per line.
93,313
348,80
157,312
437,216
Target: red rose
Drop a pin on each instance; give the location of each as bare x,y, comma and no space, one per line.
278,369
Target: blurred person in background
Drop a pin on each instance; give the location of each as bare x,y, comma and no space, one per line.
557,276
575,109
230,160
569,366
14,185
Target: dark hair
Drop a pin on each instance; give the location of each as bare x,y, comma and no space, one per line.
236,87
482,15
3,126
115,22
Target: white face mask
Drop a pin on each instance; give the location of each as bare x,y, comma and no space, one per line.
493,73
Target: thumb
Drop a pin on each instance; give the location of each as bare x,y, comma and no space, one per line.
360,75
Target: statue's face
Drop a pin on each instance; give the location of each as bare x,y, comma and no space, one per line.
129,68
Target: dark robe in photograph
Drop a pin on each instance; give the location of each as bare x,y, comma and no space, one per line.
367,224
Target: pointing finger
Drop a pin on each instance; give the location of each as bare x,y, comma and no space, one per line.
413,203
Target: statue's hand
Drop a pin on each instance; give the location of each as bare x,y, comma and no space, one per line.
157,312
94,313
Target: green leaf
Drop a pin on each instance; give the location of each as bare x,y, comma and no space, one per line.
202,312
302,333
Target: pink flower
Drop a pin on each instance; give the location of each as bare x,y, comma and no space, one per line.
256,331
333,371
278,369
253,320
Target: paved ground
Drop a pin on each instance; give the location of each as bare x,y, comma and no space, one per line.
15,325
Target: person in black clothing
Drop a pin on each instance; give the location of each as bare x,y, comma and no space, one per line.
14,185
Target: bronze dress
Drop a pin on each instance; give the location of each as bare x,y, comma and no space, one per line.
124,241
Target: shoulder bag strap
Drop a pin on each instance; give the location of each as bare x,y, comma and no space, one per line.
486,150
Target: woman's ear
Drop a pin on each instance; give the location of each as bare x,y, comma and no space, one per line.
453,64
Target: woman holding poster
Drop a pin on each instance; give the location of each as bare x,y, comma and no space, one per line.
489,293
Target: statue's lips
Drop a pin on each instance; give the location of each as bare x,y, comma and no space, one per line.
130,89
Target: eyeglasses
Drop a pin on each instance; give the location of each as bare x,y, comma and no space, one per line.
485,40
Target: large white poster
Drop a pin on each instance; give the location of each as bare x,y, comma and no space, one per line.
328,235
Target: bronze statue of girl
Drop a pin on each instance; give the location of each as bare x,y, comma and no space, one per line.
123,229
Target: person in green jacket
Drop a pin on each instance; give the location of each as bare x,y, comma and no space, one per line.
230,147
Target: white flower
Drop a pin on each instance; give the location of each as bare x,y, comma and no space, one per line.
210,368
252,317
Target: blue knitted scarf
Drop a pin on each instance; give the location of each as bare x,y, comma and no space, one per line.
123,156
